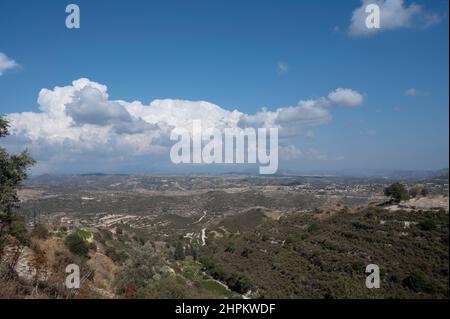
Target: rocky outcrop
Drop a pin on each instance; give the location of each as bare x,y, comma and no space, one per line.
25,262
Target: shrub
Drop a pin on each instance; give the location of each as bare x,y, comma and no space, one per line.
230,248
427,225
106,234
144,274
397,192
116,256
93,246
247,252
313,228
40,231
417,281
166,288
413,192
119,231
179,251
238,283
77,245
19,231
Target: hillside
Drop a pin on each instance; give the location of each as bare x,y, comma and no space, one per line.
255,253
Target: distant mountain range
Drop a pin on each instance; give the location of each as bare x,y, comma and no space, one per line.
361,173
379,173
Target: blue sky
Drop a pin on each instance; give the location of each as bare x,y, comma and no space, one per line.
246,55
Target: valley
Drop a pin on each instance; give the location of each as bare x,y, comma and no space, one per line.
230,236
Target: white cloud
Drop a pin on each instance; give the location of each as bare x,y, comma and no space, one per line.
282,68
310,134
79,126
289,153
312,112
6,63
430,20
394,14
313,154
293,153
346,97
415,92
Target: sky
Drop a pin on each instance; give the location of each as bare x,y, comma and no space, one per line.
105,97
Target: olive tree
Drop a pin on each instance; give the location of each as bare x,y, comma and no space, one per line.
397,192
13,171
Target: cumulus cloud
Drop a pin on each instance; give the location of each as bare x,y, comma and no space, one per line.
6,63
346,97
79,125
90,106
290,120
394,14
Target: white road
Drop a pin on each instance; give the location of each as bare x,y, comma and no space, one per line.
203,236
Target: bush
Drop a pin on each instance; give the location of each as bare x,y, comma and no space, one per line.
77,245
19,230
116,256
93,246
417,281
166,288
313,228
427,225
413,192
230,248
246,252
143,275
119,231
397,192
238,283
179,251
106,234
40,231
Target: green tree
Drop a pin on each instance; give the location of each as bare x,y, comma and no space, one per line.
179,251
13,171
18,229
146,275
77,245
397,192
413,192
424,192
40,231
427,225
